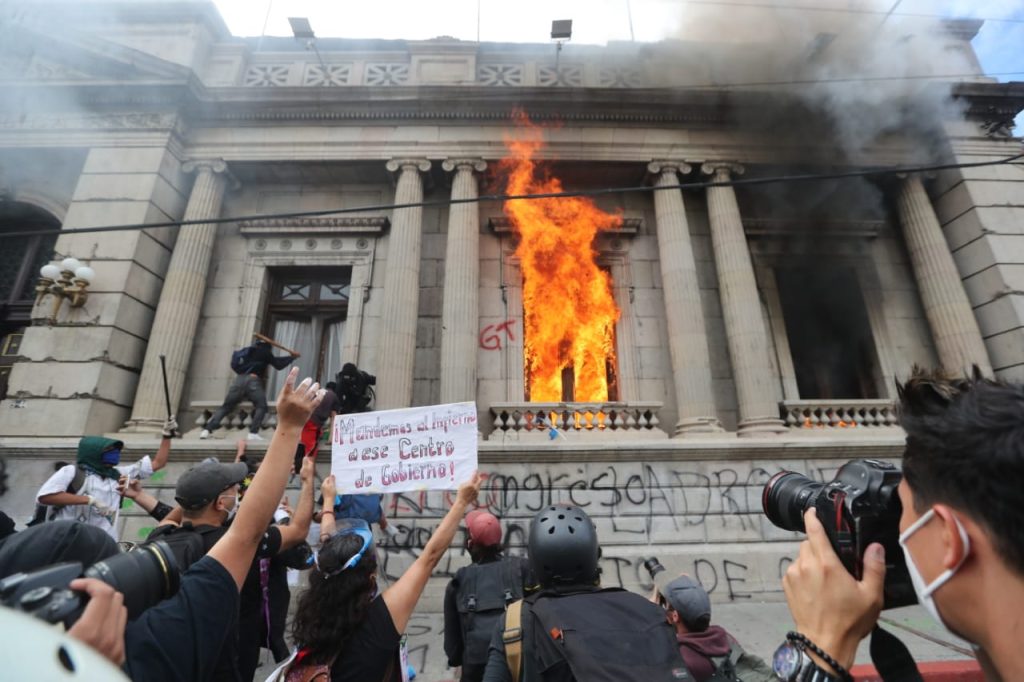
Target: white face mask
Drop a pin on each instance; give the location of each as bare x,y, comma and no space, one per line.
925,592
234,509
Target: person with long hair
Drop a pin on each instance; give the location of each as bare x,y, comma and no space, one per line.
343,628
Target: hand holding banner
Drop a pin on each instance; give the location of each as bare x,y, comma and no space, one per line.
419,448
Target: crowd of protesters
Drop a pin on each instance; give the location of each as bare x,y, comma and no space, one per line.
544,616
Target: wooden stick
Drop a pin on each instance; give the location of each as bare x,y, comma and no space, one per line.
275,344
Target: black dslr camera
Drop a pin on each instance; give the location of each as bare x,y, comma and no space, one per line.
354,390
145,576
859,507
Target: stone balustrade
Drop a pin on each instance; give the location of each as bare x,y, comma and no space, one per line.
238,419
571,420
839,414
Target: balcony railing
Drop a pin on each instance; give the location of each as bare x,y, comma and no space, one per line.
839,414
238,420
573,420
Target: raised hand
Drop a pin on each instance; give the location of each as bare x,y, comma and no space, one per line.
469,490
308,469
296,403
329,490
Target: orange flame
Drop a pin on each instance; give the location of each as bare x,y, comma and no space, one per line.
569,311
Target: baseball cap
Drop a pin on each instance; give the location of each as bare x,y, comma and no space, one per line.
690,600
200,485
484,528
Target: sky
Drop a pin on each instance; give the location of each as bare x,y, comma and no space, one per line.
999,44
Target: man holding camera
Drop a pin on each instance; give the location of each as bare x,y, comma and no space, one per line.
182,637
709,651
961,532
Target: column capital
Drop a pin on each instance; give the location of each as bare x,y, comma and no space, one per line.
722,168
421,165
215,166
659,166
470,164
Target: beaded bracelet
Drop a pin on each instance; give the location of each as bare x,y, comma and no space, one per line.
803,641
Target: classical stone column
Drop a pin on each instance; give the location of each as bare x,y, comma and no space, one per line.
954,327
460,313
181,299
687,336
397,350
741,307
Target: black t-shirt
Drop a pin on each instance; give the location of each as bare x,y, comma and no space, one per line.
226,668
182,637
329,404
371,650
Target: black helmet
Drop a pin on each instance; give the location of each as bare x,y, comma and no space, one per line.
563,546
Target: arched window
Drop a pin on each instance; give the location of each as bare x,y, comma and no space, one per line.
20,260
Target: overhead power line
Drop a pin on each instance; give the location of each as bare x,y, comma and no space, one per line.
377,208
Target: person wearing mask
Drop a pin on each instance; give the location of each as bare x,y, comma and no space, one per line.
961,532
250,364
89,490
182,637
344,628
477,596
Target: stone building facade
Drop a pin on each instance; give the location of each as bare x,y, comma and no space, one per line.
761,326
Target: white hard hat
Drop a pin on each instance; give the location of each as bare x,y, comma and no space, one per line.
31,649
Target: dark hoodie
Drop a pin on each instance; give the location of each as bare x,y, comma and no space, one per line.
697,649
90,455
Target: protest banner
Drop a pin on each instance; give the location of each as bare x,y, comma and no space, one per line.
418,448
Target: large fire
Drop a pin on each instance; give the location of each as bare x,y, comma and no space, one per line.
568,308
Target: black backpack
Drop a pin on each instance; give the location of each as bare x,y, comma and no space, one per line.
49,513
485,591
240,360
187,542
608,635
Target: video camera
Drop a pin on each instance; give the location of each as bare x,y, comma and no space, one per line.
354,390
145,576
859,507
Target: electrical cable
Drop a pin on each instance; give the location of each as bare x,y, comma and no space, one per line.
737,182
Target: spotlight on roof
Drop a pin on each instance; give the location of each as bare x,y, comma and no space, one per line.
561,29
301,28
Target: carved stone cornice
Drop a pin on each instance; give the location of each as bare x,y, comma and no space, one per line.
477,165
630,226
332,225
825,231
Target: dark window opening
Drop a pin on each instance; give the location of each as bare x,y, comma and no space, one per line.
20,260
829,333
306,312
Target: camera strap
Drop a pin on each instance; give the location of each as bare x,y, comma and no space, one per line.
891,658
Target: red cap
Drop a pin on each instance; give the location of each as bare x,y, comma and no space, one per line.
484,528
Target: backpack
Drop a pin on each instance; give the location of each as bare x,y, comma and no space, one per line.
365,507
240,360
485,591
187,542
49,513
608,635
739,666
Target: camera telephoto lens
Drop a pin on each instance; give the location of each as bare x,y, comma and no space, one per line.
145,576
653,566
786,497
